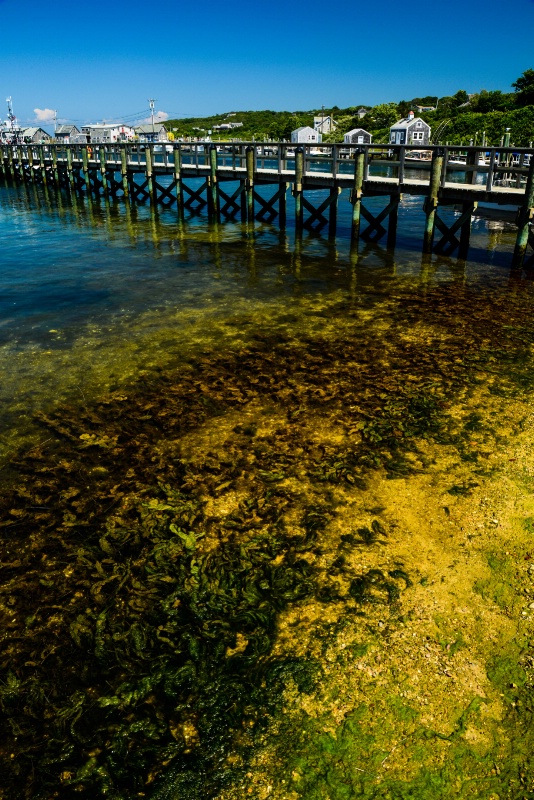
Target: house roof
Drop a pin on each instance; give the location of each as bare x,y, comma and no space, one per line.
357,130
33,131
304,128
61,129
148,128
404,123
321,118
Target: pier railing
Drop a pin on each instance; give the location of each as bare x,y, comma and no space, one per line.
442,175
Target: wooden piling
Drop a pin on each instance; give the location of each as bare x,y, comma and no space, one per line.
55,171
42,163
148,172
356,196
525,217
103,173
10,163
250,183
85,168
70,173
298,186
30,162
213,197
124,172
432,199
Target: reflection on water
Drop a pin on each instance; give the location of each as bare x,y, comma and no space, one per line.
269,531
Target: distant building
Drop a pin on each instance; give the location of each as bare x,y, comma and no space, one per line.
324,124
147,133
65,133
411,130
227,126
361,112
105,133
422,109
357,136
306,135
35,135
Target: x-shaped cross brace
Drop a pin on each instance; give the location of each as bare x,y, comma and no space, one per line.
376,230
230,207
195,195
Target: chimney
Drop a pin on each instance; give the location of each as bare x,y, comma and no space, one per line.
411,115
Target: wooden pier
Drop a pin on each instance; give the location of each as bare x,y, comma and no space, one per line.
226,178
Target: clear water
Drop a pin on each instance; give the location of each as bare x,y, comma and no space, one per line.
220,383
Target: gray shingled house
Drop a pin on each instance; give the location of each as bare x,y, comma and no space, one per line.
147,133
35,135
357,136
411,130
305,135
65,133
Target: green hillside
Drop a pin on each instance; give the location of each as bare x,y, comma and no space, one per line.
456,119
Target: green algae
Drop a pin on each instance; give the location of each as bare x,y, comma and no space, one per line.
147,577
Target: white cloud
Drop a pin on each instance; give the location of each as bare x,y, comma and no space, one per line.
44,114
159,116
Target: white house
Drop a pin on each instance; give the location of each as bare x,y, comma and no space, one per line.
324,124
411,130
106,133
361,112
357,136
306,135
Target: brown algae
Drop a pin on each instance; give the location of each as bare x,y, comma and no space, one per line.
294,568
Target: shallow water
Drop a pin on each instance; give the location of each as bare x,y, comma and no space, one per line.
267,509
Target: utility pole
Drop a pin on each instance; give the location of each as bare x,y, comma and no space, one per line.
55,123
151,104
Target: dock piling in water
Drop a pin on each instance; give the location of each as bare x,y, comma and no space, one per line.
132,172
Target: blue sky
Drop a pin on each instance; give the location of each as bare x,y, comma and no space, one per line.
103,60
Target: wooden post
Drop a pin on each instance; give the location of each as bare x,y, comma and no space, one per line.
103,174
432,199
178,178
525,217
148,172
42,163
298,190
250,183
213,195
124,171
356,196
70,174
55,171
30,162
85,168
392,221
21,173
11,164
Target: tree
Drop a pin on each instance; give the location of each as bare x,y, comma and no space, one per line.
524,88
461,97
383,115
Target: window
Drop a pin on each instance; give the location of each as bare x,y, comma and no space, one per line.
417,137
419,124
